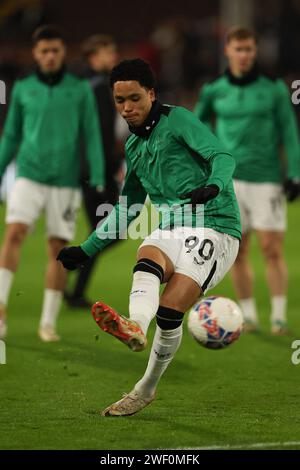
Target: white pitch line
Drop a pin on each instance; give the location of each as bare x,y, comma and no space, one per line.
256,445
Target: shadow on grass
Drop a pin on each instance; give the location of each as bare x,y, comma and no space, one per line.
119,361
279,341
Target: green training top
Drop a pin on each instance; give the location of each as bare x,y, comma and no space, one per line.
178,155
43,130
252,119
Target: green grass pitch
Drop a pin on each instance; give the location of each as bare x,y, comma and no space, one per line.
51,394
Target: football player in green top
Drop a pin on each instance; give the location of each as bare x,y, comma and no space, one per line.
49,112
254,116
177,161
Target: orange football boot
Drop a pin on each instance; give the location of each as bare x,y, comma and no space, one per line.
122,328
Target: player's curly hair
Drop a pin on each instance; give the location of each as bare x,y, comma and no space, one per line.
134,69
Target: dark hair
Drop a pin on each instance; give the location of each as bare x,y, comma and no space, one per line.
91,44
134,69
47,31
240,33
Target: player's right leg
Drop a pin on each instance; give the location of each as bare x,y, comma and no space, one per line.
9,260
242,276
23,207
242,273
271,243
61,210
179,295
55,284
152,268
269,222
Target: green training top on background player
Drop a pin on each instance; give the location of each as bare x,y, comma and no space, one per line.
254,117
49,113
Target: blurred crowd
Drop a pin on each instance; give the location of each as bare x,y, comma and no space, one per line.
183,51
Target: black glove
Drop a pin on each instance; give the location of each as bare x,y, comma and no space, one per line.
291,189
202,195
72,258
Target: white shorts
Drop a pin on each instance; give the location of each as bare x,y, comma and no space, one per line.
262,206
27,199
203,254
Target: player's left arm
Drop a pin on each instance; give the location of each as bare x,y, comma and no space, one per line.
116,223
189,130
93,138
121,216
289,137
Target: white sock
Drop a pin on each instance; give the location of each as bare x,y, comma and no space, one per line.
278,308
144,299
51,307
248,307
6,279
164,347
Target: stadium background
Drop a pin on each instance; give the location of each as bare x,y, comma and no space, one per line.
50,395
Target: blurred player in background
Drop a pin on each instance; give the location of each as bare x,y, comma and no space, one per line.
253,117
177,161
49,111
100,53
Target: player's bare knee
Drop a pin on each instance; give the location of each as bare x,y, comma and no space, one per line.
170,300
156,256
273,256
16,234
271,252
242,256
168,303
241,264
55,245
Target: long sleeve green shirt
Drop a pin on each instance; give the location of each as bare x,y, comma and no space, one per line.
252,121
43,130
180,155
